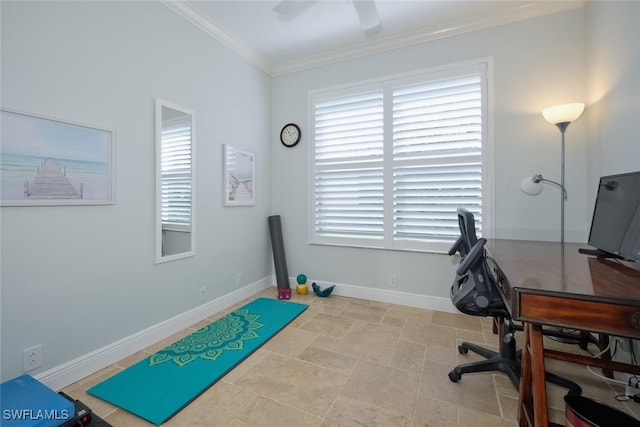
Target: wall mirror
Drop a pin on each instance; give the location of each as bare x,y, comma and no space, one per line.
175,182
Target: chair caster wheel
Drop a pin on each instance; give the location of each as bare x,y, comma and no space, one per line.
454,376
463,350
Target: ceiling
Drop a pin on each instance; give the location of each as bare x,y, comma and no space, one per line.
325,31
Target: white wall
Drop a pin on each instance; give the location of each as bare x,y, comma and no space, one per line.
75,279
536,64
613,51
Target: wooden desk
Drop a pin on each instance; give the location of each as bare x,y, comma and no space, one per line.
547,283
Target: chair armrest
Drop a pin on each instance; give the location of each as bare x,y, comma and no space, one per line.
482,282
458,246
476,253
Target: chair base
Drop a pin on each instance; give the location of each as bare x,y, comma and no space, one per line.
507,361
494,362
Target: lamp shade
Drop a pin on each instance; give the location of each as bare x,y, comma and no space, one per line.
531,185
565,113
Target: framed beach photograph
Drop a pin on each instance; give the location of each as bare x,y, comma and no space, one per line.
239,177
45,161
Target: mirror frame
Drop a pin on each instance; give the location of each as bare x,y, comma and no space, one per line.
159,105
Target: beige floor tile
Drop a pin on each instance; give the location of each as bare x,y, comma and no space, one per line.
409,356
294,383
328,324
248,363
346,362
222,404
392,319
267,413
328,359
361,311
474,391
508,407
476,337
290,341
370,341
441,354
432,412
392,389
467,417
452,320
121,417
347,412
305,316
431,335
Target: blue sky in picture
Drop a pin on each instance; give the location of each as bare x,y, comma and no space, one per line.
34,136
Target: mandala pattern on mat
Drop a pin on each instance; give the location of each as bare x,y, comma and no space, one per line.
225,334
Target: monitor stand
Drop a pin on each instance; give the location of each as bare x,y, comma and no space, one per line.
603,254
599,253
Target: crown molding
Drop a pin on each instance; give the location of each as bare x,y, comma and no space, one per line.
424,35
200,21
524,11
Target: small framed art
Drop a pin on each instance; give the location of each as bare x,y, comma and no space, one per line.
239,177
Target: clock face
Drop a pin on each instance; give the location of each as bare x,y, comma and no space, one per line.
290,135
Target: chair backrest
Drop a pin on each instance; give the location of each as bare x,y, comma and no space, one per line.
474,290
468,238
467,224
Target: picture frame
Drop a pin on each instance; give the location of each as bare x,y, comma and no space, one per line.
239,176
49,162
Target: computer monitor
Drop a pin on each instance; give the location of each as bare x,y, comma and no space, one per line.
615,226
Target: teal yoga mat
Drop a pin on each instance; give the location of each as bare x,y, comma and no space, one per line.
159,386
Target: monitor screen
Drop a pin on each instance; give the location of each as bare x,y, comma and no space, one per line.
615,227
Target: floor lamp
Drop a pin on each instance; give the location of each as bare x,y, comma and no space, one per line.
561,116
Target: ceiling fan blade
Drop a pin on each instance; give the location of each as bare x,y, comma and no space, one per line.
291,8
367,13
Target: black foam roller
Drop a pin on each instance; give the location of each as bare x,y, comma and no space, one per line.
279,258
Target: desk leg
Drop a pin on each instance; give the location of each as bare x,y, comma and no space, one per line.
603,342
532,398
541,416
524,395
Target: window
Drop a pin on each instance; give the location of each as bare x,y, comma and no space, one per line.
393,160
176,175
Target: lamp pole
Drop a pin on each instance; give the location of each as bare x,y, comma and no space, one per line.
563,195
562,116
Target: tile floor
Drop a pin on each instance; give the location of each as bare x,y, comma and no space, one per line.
350,362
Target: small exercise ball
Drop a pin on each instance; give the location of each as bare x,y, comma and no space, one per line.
301,279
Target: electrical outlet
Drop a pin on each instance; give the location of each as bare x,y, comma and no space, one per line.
32,357
203,293
239,280
393,281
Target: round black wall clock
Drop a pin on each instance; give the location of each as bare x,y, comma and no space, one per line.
290,135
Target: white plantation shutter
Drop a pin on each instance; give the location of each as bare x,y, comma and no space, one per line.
390,166
348,181
176,176
437,157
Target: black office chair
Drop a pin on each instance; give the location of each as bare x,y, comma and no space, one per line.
475,292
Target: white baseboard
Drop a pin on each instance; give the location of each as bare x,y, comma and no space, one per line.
83,366
390,296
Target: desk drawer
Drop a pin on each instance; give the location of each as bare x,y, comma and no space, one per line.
612,319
